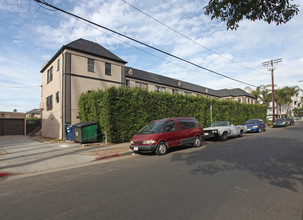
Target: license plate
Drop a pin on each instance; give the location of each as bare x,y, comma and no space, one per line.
248,129
136,149
206,134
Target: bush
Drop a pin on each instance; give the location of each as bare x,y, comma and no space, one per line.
122,112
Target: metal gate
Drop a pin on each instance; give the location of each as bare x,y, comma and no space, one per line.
10,126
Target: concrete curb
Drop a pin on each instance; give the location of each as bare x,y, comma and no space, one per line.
113,155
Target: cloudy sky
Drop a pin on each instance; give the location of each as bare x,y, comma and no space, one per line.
30,35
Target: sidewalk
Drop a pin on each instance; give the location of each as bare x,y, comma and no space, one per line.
21,155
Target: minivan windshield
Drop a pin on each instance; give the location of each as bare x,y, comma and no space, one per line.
152,127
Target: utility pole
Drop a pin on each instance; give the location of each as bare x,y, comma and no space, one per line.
270,65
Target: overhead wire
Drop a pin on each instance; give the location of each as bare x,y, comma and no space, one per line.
183,35
144,44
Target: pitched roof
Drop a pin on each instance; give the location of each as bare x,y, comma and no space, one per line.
93,48
163,80
34,111
87,47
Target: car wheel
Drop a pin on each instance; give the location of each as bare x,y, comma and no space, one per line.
223,137
197,142
260,130
241,133
161,148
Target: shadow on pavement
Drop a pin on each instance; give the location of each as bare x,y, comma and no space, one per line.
281,165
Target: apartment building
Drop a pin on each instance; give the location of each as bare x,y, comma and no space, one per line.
83,65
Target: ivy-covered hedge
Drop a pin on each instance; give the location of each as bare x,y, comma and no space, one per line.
122,112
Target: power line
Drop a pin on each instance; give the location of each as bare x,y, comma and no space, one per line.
142,43
18,87
188,38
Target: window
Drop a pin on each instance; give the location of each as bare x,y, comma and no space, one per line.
137,84
239,99
187,93
141,85
49,74
127,83
175,91
170,126
160,89
188,123
90,65
49,103
58,64
108,69
57,97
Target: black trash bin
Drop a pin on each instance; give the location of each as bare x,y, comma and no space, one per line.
85,132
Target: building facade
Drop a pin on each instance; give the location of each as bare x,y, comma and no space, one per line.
83,65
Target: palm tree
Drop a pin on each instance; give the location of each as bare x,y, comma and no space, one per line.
256,93
281,98
266,96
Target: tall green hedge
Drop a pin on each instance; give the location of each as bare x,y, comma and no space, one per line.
121,112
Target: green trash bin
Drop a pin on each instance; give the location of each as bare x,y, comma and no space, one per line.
85,132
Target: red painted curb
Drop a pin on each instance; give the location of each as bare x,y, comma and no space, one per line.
105,157
3,174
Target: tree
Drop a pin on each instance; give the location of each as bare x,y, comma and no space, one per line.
278,11
266,96
281,99
256,93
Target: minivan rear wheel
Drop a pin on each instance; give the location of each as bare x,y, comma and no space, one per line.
161,148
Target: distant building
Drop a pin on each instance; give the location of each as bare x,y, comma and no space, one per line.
297,102
34,113
83,65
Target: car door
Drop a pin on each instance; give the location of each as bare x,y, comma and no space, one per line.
172,134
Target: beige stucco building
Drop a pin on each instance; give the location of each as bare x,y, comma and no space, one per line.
83,65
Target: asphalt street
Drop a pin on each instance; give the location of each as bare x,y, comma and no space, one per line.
259,176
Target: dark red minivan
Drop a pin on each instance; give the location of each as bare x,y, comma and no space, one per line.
162,134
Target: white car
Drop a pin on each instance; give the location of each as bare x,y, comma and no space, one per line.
222,130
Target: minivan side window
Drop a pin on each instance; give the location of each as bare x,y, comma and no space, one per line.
170,126
188,123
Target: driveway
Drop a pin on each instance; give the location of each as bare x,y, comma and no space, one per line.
22,154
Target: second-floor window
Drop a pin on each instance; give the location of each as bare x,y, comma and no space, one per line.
58,64
127,83
49,74
49,103
57,97
141,85
90,65
160,89
108,69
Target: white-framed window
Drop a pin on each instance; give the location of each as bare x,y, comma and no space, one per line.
49,74
187,93
90,65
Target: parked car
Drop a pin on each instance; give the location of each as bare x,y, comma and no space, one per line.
281,122
255,125
290,121
160,135
222,130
